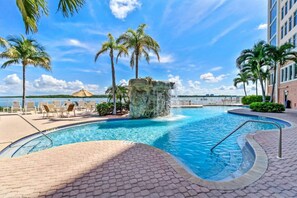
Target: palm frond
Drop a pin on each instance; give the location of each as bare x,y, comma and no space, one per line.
70,7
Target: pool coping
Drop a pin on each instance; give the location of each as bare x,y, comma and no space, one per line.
258,169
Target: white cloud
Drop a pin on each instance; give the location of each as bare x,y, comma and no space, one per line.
49,84
121,8
76,43
196,88
210,78
216,68
164,58
262,26
124,82
12,79
179,88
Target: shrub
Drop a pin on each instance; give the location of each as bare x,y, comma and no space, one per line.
247,100
267,107
104,108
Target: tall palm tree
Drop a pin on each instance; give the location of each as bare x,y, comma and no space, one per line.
31,10
242,77
255,60
110,46
279,56
254,78
141,44
3,42
25,51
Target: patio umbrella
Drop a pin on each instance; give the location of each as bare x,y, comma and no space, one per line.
82,93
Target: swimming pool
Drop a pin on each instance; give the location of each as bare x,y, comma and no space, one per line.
188,135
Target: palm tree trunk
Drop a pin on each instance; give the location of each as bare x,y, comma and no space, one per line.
244,89
24,87
273,84
263,89
114,112
256,87
136,65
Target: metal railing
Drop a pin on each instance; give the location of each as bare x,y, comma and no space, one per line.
257,121
51,141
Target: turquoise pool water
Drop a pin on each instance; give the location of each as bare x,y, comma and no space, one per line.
188,135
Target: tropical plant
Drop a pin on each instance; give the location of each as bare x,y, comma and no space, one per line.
25,51
255,60
31,10
267,107
3,42
279,56
110,46
247,100
141,44
121,93
242,77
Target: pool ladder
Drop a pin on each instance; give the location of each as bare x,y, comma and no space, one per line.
51,141
256,121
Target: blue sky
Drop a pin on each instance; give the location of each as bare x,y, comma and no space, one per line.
199,41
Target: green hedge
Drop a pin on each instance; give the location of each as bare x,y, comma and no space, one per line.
247,100
107,108
104,109
267,107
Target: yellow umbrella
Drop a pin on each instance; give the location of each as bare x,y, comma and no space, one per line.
82,93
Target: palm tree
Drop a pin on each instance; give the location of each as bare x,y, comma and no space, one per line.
254,60
31,10
25,51
121,94
254,78
279,56
3,42
141,44
111,46
242,77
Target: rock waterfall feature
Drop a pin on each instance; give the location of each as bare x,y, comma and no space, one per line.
149,98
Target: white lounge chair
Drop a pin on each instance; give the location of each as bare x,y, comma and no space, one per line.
16,106
30,106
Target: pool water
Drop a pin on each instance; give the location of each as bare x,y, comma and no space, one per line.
188,135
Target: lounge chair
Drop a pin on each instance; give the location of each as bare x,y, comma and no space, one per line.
91,106
30,107
16,106
57,104
40,107
81,105
49,109
70,108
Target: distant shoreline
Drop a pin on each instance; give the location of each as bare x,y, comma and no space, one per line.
105,96
55,96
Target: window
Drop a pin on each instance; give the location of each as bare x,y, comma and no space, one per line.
291,4
271,79
283,12
283,75
294,40
273,29
295,71
295,18
286,74
290,72
282,32
290,23
273,1
290,40
273,41
286,28
286,8
273,13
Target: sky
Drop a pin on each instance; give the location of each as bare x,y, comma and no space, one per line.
199,42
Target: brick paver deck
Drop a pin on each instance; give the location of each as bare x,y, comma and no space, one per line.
120,169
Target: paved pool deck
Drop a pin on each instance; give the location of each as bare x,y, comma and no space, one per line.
123,169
